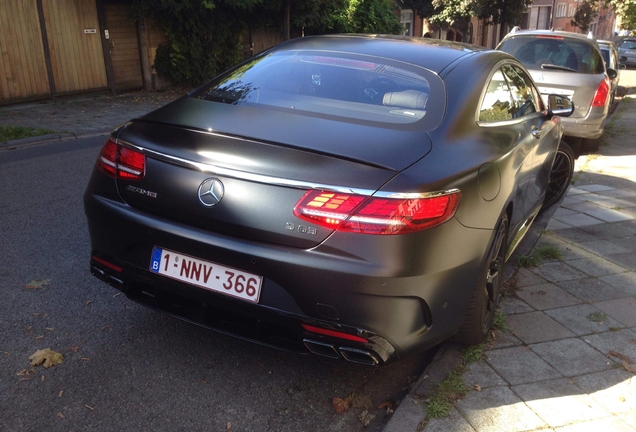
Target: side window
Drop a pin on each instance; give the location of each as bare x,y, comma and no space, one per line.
497,104
521,88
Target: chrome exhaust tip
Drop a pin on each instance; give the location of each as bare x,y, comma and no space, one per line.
355,355
321,348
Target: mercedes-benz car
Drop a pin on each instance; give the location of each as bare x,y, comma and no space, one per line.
571,65
355,197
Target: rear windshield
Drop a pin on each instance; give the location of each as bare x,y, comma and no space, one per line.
555,53
628,44
325,83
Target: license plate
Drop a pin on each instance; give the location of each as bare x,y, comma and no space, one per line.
205,274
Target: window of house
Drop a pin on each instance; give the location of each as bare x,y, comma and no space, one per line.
571,10
561,10
406,20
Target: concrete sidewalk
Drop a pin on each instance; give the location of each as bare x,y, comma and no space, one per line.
567,359
80,116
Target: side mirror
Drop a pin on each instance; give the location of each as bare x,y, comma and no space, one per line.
622,66
560,105
622,59
611,73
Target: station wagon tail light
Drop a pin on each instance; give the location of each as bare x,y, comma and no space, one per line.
121,162
600,97
398,214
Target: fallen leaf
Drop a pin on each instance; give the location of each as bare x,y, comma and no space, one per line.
74,349
59,395
89,302
46,356
85,359
477,387
117,295
620,356
628,367
36,314
29,328
39,337
90,407
365,418
228,426
49,328
341,405
386,404
60,415
37,283
42,378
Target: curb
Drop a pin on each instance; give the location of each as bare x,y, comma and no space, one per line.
51,138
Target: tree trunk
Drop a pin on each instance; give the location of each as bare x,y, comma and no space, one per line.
286,22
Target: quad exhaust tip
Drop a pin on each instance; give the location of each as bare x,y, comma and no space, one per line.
353,355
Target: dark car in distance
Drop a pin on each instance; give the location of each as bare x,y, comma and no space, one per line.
352,196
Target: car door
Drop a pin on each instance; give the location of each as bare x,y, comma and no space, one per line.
541,127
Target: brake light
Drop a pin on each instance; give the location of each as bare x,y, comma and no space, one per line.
376,215
600,97
121,162
333,333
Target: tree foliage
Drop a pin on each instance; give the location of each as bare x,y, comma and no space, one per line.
449,11
626,9
585,13
203,36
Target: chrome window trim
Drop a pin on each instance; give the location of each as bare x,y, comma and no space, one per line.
276,181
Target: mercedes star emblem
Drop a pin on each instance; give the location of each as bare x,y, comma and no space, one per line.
211,192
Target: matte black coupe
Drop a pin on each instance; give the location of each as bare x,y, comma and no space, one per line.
351,196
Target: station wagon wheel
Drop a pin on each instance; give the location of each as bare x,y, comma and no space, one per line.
560,175
483,302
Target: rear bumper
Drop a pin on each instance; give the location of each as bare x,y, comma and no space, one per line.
590,126
399,297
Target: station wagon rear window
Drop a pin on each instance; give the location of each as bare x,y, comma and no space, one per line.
334,84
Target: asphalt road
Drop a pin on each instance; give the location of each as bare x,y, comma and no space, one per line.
129,368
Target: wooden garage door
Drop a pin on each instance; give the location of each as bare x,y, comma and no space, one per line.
75,44
22,64
124,48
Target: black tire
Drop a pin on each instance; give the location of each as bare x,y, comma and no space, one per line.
483,302
560,175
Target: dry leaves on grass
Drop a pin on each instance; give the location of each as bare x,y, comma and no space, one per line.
365,418
37,283
46,356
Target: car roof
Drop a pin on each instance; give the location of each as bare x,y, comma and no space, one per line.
605,42
564,34
433,54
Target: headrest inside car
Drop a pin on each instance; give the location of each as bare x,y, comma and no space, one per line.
412,99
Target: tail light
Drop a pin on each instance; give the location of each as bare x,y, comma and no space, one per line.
121,162
600,97
399,214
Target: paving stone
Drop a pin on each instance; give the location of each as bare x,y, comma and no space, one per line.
520,365
619,193
574,191
557,271
616,203
557,225
596,188
610,231
560,402
580,220
622,310
410,413
480,373
583,206
575,318
454,422
591,290
627,259
596,198
603,247
513,305
614,389
498,409
503,339
525,277
596,266
610,215
536,327
607,424
620,341
562,211
572,252
627,242
575,235
626,282
572,357
546,296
